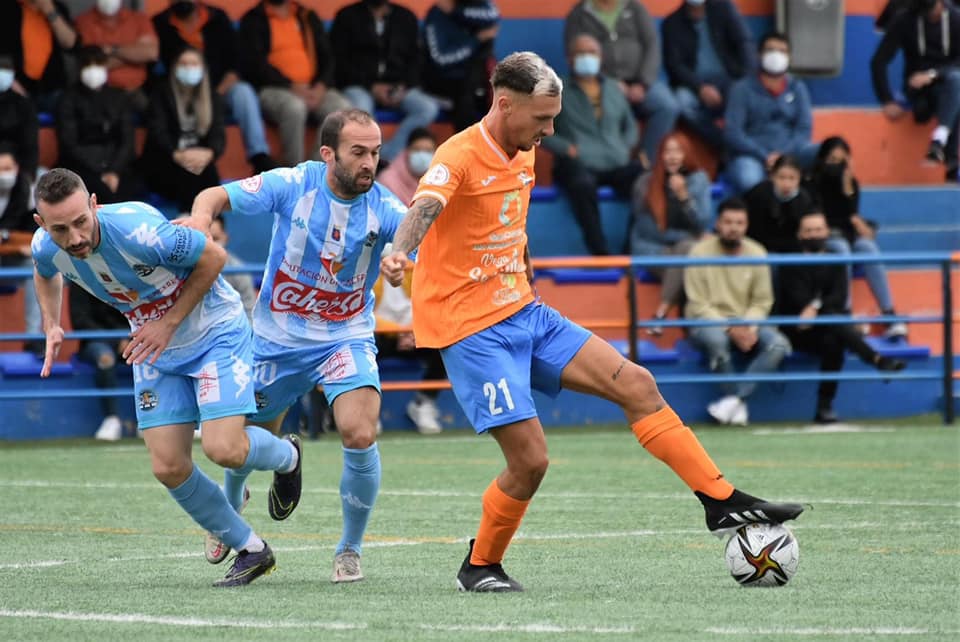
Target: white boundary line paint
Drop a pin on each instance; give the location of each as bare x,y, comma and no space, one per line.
536,627
830,429
40,483
141,618
827,631
36,564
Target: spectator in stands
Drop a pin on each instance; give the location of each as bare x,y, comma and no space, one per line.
402,176
928,34
209,30
594,136
837,190
95,133
811,290
16,215
285,54
90,313
376,46
242,282
40,67
459,49
394,311
18,120
706,47
767,115
127,38
672,211
733,292
631,56
776,205
185,133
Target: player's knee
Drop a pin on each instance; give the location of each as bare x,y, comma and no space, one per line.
358,434
106,361
172,472
228,453
640,393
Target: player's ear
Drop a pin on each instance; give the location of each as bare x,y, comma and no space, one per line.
93,202
39,220
327,154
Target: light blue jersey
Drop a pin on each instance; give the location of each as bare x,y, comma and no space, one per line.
140,267
324,255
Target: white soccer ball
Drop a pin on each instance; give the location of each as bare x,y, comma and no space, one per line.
762,555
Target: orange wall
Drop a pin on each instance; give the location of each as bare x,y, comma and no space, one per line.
522,8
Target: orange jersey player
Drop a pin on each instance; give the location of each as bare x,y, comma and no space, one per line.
472,299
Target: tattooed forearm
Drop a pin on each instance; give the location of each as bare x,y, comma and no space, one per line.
619,370
415,224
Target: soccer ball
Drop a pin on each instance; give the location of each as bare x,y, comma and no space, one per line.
762,555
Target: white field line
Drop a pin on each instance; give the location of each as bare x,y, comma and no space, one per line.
42,483
459,541
140,618
534,628
828,631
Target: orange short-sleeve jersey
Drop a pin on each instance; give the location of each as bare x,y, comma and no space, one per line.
470,271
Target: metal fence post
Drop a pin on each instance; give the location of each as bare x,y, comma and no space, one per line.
946,282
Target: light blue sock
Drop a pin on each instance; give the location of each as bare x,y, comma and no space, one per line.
206,504
359,485
267,452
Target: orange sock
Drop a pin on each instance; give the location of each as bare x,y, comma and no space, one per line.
667,439
499,521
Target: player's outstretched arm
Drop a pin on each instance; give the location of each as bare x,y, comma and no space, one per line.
151,339
206,206
410,233
50,297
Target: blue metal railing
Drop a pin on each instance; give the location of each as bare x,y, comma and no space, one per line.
943,260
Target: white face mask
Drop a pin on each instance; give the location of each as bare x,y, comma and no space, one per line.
189,75
419,162
775,63
109,7
7,181
6,79
94,76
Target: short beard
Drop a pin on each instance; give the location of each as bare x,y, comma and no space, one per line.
346,182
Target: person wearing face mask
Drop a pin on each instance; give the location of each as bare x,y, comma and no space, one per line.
631,57
834,186
127,38
185,133
706,47
722,292
458,37
767,115
376,47
776,204
594,136
210,30
18,120
95,134
403,175
45,26
16,215
808,291
927,32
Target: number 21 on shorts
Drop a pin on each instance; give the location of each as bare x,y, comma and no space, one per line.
490,392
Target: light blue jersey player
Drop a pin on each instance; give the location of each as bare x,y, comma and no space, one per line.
313,322
191,349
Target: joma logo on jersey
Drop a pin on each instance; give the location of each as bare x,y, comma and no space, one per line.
146,235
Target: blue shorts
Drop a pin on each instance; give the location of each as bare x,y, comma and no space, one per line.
494,371
283,374
210,379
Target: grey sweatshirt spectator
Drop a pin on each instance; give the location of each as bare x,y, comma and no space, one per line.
631,55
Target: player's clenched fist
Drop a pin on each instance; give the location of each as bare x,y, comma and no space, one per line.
392,267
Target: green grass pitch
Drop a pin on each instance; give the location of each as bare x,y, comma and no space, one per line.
613,547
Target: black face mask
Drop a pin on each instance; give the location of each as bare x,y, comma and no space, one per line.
834,170
276,3
813,245
730,244
182,8
375,4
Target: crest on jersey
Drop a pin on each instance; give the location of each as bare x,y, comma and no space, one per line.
104,277
147,400
142,270
437,175
336,234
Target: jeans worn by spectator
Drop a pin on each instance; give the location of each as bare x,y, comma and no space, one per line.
874,272
769,352
418,108
241,102
290,113
658,110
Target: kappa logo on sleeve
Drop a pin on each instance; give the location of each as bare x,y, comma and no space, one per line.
252,184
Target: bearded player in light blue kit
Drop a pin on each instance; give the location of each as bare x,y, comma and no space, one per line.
190,347
313,323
